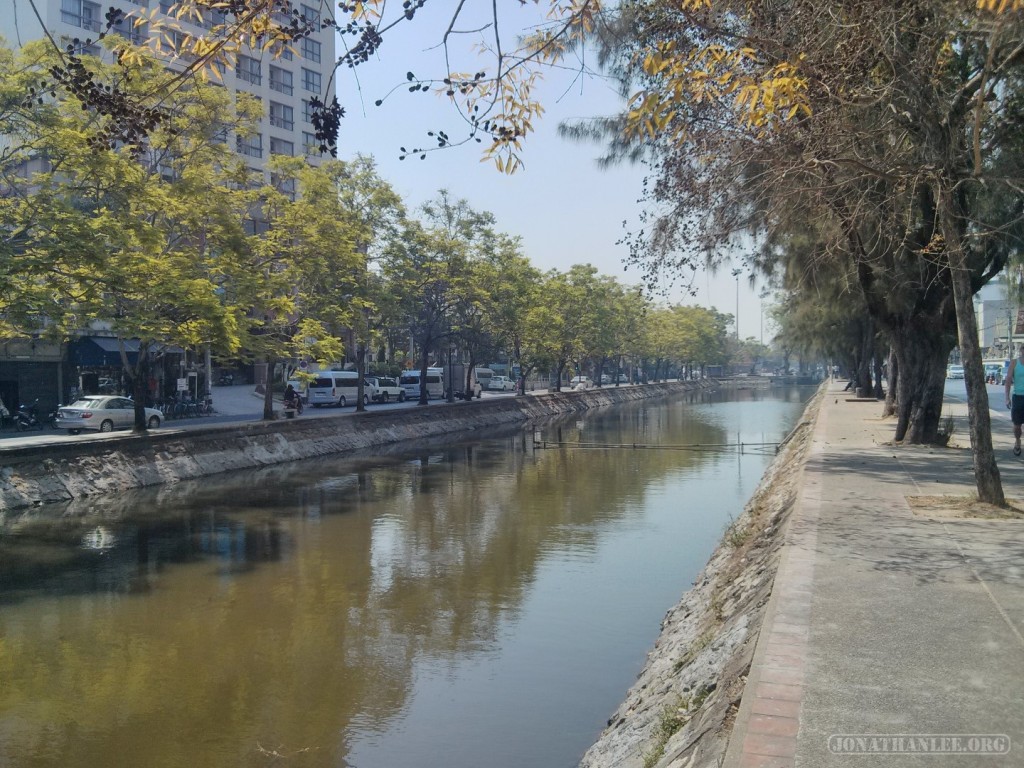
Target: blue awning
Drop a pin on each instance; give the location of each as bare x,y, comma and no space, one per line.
105,351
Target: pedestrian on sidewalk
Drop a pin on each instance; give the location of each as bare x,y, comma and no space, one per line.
1015,397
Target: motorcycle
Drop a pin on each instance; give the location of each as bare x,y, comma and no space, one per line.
292,407
226,380
27,418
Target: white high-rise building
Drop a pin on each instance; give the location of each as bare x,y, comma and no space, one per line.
284,84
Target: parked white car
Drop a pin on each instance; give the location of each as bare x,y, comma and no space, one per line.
383,389
581,382
502,383
103,413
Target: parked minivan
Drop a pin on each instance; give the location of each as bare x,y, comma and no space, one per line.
410,382
483,377
334,388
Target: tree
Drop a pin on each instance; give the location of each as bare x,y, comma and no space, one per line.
498,106
813,138
427,271
133,236
564,323
354,194
301,264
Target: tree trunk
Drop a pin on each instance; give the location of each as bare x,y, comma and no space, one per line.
360,373
879,390
467,390
268,394
921,361
424,395
140,380
867,354
986,473
893,368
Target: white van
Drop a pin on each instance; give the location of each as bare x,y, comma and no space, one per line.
483,377
334,388
410,382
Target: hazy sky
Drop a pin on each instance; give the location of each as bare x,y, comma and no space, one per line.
566,210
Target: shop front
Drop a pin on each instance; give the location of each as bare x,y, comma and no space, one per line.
32,371
99,367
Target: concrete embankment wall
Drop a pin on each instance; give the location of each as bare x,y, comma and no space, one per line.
64,471
680,711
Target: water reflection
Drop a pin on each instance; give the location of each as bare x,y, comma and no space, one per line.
419,608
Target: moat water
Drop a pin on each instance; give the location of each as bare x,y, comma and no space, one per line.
476,604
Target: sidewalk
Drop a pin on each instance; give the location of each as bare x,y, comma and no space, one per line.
884,621
238,400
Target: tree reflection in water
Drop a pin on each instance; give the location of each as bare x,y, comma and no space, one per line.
293,610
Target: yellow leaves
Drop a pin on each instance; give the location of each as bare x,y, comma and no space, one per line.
365,11
711,74
131,57
1000,6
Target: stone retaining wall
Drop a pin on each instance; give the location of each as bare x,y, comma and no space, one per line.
680,711
64,471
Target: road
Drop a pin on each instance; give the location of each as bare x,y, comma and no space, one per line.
232,405
956,391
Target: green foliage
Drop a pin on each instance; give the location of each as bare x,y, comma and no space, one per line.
669,722
179,243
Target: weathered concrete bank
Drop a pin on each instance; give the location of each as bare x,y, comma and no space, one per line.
44,474
680,711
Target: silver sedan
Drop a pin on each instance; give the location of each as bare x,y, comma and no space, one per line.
103,413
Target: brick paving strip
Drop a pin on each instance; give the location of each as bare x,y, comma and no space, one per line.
769,716
885,622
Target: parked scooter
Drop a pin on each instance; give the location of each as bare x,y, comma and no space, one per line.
27,417
226,380
292,403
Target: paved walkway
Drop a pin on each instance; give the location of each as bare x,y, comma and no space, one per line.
886,622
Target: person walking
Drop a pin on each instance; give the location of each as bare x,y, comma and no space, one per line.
1015,396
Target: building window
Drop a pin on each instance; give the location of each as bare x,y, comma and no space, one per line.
283,13
168,6
311,15
284,186
80,13
311,80
307,110
310,146
255,178
167,170
136,35
248,69
280,80
182,44
251,146
282,51
79,47
281,147
281,116
311,49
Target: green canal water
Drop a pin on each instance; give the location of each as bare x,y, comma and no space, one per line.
481,604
